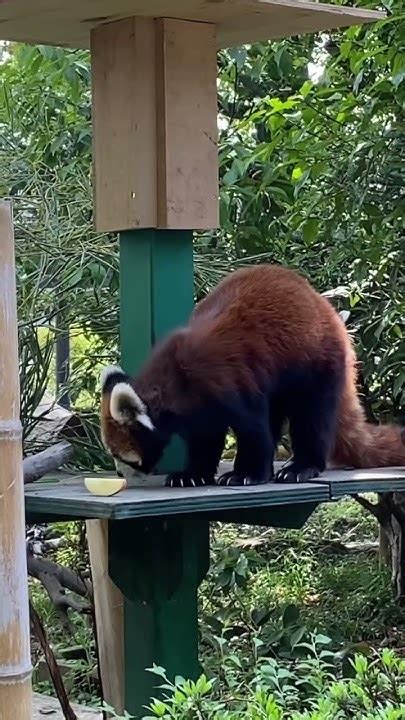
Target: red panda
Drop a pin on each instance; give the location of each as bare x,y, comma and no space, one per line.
261,348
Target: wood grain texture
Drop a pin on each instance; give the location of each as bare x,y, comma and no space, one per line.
186,115
57,22
71,499
109,607
155,125
124,124
15,661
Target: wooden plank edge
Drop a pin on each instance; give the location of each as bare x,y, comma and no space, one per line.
343,488
343,16
321,7
74,508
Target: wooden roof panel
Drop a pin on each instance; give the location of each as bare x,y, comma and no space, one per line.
57,22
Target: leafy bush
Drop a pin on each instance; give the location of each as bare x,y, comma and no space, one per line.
310,176
310,687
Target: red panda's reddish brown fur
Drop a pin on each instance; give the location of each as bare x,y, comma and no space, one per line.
359,443
259,324
307,328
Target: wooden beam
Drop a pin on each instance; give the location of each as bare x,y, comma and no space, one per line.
186,105
155,127
109,610
124,124
15,661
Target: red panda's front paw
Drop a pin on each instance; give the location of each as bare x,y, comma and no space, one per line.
234,479
292,473
186,479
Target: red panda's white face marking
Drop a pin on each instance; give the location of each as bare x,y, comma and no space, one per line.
123,415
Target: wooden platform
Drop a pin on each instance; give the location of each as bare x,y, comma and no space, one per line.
57,22
66,496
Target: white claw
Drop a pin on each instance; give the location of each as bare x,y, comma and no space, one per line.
181,482
245,480
192,482
202,481
228,481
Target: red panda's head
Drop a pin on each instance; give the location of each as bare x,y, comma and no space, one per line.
127,430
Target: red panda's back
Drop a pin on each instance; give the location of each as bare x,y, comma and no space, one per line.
268,311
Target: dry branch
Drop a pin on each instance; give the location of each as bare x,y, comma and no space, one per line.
35,466
56,579
39,632
373,508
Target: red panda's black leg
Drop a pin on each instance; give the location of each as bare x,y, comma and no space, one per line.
312,416
204,453
255,449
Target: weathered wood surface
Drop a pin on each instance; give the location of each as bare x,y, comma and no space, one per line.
186,125
48,707
154,113
352,482
57,22
109,608
68,496
15,660
50,459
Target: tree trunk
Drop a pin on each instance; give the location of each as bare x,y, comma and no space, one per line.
390,513
62,363
393,524
15,661
384,547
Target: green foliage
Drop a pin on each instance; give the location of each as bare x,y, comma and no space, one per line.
311,178
310,688
311,145
267,592
67,274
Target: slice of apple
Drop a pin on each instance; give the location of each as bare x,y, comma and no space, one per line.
105,485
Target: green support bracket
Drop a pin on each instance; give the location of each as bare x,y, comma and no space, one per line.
156,280
292,516
158,564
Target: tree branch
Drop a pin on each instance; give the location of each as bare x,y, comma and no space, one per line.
39,632
35,466
56,579
373,508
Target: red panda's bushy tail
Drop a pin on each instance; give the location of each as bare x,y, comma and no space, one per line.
359,443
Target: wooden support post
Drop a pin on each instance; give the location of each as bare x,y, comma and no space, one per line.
15,661
156,275
155,125
158,564
156,180
109,616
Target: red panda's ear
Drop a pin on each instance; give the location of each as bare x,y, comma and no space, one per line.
124,404
127,408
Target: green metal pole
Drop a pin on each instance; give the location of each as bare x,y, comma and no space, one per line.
157,563
156,276
156,283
